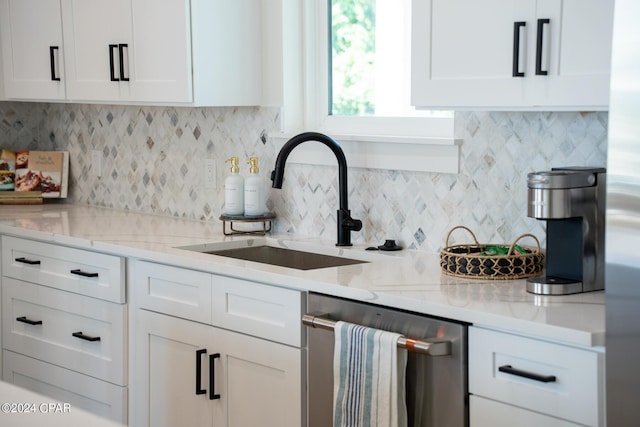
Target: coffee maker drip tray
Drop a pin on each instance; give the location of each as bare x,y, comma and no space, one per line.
548,285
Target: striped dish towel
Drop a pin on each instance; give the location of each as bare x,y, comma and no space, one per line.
369,378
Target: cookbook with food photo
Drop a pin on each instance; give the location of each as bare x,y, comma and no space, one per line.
44,171
7,170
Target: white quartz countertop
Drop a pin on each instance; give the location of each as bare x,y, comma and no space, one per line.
406,279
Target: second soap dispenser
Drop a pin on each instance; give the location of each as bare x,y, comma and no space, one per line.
253,190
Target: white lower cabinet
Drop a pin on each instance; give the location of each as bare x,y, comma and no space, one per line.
532,381
240,366
200,375
489,413
66,386
64,324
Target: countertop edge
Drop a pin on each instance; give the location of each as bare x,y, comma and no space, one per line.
180,258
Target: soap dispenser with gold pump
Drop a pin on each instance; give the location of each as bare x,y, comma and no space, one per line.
234,189
253,190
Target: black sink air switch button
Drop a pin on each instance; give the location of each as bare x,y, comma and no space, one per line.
389,245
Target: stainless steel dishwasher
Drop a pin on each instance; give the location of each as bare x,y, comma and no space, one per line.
436,381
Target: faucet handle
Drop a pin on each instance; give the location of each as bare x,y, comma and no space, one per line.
352,224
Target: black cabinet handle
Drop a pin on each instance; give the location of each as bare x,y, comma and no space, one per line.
24,319
212,377
112,66
539,40
85,337
27,261
83,273
199,353
508,369
121,48
516,48
52,60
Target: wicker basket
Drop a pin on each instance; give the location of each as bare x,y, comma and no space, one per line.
469,260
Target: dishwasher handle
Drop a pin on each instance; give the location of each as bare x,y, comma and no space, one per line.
431,348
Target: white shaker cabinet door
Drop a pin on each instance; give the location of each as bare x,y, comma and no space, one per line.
32,49
261,375
576,53
162,65
511,54
99,45
188,373
463,52
167,354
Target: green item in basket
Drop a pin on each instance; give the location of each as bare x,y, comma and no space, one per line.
493,250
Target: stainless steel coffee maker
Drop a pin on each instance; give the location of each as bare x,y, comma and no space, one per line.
572,201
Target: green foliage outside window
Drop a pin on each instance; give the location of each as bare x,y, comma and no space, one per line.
352,57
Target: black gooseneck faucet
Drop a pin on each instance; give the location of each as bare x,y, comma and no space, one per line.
346,224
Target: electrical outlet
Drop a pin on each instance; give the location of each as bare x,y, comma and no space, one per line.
210,173
96,163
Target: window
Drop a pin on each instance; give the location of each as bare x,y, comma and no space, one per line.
368,112
358,63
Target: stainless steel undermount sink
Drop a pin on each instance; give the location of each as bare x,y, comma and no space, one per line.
264,251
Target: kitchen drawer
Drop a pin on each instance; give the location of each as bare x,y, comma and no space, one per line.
265,311
63,314
65,386
75,270
485,412
574,395
172,290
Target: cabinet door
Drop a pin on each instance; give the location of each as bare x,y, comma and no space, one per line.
31,34
522,54
259,381
161,66
463,52
98,42
576,53
165,363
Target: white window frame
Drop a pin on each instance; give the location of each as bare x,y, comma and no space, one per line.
400,143
317,80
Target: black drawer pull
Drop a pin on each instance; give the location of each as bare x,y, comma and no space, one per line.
516,48
27,261
112,65
121,48
212,377
539,47
199,353
83,273
85,337
508,369
24,319
53,51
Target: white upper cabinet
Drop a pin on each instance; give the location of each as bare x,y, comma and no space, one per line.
162,63
32,49
98,41
3,97
511,54
174,52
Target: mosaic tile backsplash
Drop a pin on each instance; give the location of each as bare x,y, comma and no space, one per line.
152,160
